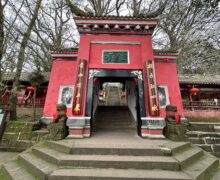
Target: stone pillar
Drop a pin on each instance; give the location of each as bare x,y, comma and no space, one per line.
152,127
79,127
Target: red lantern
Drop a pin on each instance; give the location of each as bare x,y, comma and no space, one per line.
30,88
123,94
194,91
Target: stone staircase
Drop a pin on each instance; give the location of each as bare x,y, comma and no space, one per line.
114,118
205,135
113,98
86,160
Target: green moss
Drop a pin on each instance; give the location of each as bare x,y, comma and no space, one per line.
2,176
171,107
61,107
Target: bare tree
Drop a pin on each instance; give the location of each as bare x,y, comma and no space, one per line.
21,59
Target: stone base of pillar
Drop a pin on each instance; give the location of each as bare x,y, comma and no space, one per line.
79,132
152,127
79,127
152,133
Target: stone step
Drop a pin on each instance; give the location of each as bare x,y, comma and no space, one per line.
108,161
202,134
116,126
114,116
118,121
16,146
188,155
215,175
203,167
202,126
117,174
114,130
36,166
172,148
90,149
210,147
204,140
106,123
217,128
216,154
15,171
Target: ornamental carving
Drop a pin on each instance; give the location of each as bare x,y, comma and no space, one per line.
138,74
92,73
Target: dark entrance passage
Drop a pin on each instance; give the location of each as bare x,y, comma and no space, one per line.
115,101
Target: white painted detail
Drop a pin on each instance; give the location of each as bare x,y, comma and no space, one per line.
117,42
138,27
152,118
139,74
70,136
83,118
63,55
106,26
130,22
151,136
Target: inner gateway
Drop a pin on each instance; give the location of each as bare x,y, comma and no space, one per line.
114,105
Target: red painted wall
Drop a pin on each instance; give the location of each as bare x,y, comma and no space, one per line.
93,52
62,73
166,74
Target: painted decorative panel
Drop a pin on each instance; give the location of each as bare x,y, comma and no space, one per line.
152,89
78,95
66,95
163,96
115,57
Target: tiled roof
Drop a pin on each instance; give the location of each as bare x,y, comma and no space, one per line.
164,51
183,78
9,76
199,79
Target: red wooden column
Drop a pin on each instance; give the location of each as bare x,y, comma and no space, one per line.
153,124
77,124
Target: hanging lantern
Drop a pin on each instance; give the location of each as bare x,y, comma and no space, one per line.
30,88
123,94
194,91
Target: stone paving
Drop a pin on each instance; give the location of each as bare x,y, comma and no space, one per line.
7,156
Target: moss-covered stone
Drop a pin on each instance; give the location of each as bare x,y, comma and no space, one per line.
57,131
14,126
171,107
176,132
61,107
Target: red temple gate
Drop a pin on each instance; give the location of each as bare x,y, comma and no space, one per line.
115,49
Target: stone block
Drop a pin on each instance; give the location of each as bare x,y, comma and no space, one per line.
176,132
212,140
216,148
57,131
196,140
206,147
